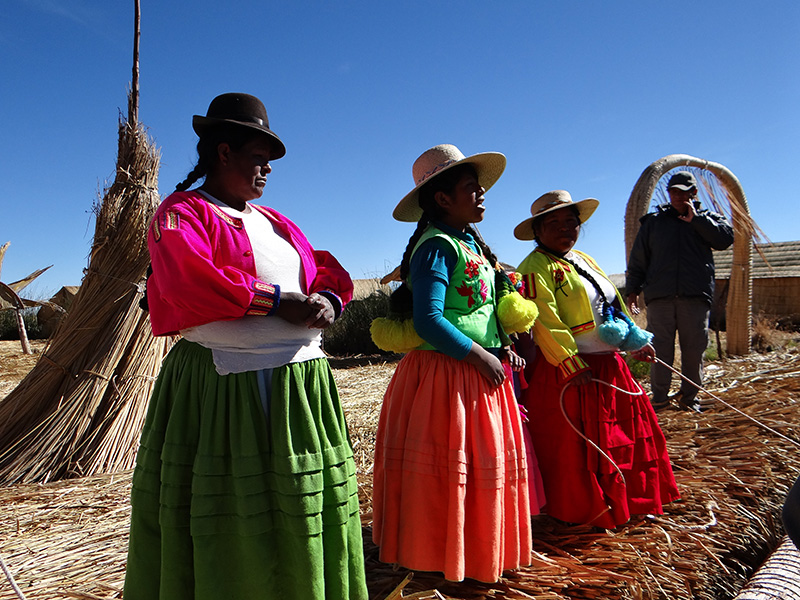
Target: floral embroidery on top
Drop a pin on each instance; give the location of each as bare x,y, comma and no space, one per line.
484,291
473,286
560,280
466,290
472,269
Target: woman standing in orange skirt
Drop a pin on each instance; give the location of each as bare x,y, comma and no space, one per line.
450,482
601,452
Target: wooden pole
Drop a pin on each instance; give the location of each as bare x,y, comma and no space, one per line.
133,100
10,296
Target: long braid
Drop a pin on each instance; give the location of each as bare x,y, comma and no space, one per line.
588,277
405,264
617,328
198,172
487,252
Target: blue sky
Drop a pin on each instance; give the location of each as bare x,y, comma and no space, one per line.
581,96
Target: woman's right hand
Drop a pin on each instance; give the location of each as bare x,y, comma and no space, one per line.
487,364
293,307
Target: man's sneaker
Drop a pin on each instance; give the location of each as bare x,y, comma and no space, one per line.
692,404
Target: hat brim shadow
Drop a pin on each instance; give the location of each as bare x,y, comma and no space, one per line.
586,207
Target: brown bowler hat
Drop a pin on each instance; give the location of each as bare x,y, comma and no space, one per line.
239,109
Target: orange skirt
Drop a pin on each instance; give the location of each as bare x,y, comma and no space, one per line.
450,490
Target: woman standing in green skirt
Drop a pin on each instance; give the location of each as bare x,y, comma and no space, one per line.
244,486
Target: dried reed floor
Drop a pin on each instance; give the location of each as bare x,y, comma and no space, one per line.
68,539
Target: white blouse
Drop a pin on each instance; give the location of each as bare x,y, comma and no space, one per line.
252,343
590,342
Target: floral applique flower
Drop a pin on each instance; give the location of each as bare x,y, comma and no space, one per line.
468,292
560,280
472,269
484,291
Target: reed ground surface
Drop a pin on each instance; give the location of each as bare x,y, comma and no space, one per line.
68,539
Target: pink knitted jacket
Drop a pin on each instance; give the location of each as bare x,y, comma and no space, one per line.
204,270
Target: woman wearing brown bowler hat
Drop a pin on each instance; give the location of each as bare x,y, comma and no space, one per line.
600,449
244,486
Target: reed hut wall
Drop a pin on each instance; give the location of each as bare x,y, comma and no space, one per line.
775,274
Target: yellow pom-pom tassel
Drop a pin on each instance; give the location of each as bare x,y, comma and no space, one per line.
517,314
394,336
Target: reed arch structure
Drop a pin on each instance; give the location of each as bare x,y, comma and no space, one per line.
739,305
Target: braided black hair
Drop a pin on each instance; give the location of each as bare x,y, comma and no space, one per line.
405,263
487,252
588,277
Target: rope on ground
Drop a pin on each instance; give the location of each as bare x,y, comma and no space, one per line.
718,399
580,433
11,580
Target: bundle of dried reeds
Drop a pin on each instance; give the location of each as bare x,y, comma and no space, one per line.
80,409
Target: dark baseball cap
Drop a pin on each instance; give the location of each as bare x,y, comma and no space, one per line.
683,180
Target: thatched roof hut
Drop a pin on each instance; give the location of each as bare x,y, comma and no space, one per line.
776,277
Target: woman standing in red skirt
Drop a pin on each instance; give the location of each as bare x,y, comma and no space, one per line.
601,452
450,484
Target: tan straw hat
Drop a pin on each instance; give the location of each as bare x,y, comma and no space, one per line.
437,160
548,203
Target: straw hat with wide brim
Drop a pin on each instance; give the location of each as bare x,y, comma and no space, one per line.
241,110
548,203
437,160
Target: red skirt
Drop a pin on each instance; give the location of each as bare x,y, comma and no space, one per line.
581,484
450,490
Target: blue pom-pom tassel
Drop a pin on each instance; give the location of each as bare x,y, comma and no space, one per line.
637,339
619,330
612,331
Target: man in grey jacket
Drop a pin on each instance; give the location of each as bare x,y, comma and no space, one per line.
672,262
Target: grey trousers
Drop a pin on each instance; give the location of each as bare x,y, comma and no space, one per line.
688,317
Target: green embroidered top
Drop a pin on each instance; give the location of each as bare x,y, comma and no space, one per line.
469,302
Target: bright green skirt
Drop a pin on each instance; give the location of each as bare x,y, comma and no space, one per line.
228,503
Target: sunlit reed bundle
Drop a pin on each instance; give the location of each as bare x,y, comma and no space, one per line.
81,408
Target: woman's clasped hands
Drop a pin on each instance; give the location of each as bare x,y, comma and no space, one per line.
315,311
